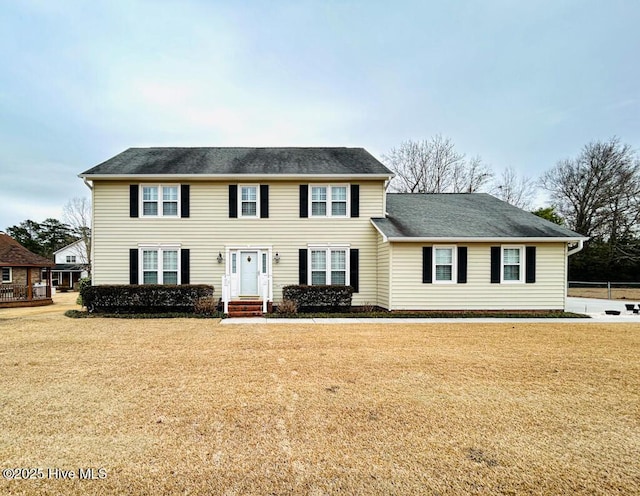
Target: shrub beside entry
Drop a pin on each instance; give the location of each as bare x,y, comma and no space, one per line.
319,298
148,298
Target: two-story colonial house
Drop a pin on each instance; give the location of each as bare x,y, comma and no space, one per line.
252,220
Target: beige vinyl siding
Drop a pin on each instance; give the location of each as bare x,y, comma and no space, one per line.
383,273
209,230
410,293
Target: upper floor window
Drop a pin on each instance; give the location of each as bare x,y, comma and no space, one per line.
6,274
512,263
329,201
71,259
160,201
249,201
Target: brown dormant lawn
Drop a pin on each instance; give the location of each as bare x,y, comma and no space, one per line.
188,406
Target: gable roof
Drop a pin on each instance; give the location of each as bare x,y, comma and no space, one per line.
240,161
13,254
463,216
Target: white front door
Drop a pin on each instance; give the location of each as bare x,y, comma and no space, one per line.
249,273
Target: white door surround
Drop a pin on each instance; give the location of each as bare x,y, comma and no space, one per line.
248,274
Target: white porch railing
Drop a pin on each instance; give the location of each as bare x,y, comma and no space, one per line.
226,293
266,291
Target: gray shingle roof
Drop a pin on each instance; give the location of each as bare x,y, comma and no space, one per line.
226,161
465,215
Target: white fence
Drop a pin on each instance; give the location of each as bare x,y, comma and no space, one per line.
607,288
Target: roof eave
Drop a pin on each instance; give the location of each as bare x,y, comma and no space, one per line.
235,177
480,239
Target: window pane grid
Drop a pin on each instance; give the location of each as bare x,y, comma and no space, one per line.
318,278
339,209
318,194
338,278
249,209
170,193
444,273
318,260
511,264
338,260
444,256
150,193
511,256
339,194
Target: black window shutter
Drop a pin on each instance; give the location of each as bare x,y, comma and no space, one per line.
530,260
233,201
304,200
264,201
427,258
133,200
185,266
355,200
495,264
354,269
184,200
133,266
462,264
302,266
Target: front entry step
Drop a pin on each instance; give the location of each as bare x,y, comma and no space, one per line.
245,308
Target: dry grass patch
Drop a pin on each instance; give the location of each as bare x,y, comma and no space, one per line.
190,407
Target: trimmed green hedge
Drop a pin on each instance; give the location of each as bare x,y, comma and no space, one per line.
148,298
319,298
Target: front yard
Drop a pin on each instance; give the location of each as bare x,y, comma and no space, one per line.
188,406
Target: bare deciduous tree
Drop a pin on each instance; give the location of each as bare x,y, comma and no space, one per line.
434,166
598,191
516,190
77,214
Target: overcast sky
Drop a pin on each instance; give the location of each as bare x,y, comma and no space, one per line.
521,84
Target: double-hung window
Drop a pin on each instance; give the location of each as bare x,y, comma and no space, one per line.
6,274
249,201
512,264
160,201
444,261
71,259
329,201
328,266
160,265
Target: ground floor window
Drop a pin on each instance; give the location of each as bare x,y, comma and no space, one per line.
328,266
512,261
160,266
444,263
6,274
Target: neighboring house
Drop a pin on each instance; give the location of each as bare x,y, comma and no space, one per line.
71,264
252,220
25,276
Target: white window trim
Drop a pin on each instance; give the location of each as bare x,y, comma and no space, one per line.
328,248
71,259
329,201
522,264
257,187
454,264
160,248
10,280
159,201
